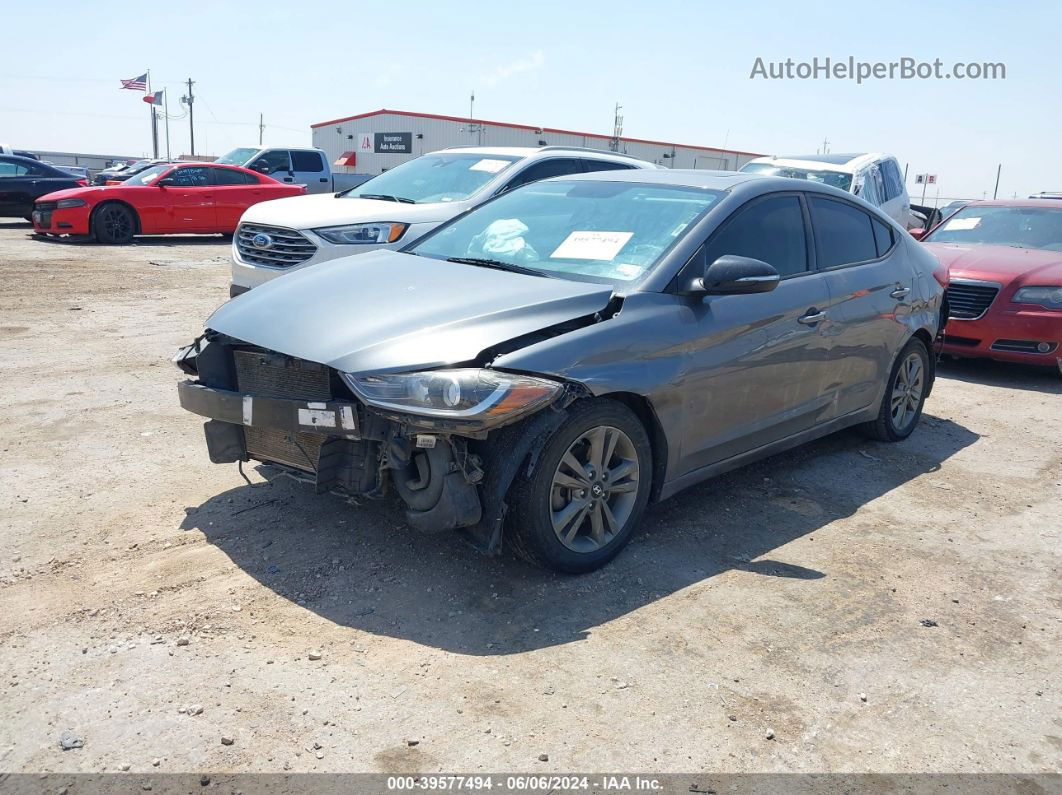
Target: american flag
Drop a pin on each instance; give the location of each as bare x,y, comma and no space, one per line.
137,83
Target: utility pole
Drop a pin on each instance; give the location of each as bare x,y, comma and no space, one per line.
261,128
996,191
617,129
189,100
825,145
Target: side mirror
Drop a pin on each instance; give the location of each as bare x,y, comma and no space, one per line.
734,275
165,182
918,233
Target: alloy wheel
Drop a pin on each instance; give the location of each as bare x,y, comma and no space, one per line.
594,489
907,391
116,223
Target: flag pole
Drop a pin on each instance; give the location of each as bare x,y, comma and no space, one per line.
166,114
154,121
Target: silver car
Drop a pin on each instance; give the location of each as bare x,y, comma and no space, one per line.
540,369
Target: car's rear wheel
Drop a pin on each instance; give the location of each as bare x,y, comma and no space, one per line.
588,491
905,395
114,224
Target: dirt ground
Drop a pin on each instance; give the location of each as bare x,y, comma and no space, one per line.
774,619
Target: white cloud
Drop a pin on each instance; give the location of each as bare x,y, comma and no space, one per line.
529,64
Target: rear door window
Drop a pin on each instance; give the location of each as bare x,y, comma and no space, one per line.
882,236
230,176
306,161
556,167
893,180
843,233
770,230
605,165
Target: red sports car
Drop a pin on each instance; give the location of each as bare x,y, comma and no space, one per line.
1005,291
178,198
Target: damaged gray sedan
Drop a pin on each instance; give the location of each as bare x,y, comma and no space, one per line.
540,369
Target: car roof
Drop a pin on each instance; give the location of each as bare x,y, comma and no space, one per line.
25,160
530,151
1055,204
686,178
836,162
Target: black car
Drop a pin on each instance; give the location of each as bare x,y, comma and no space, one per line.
23,181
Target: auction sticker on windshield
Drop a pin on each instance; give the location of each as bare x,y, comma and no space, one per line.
956,224
488,165
592,245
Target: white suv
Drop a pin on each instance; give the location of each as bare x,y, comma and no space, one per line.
874,177
396,207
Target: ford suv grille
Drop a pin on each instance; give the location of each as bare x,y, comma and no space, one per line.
273,246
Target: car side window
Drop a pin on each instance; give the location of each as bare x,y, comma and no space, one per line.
873,190
556,167
9,169
230,176
272,162
306,161
893,181
770,230
882,236
605,165
190,177
843,233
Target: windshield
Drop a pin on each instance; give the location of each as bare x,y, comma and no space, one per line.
835,179
147,176
441,177
1021,227
237,157
612,232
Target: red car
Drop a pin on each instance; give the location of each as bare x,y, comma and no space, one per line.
1005,290
178,198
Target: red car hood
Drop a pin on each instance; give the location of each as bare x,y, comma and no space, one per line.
88,193
1001,264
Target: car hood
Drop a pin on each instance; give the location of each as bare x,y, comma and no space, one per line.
326,209
1001,264
71,193
388,311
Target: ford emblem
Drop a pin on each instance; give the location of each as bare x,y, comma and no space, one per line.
261,241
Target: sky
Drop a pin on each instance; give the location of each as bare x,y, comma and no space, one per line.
681,71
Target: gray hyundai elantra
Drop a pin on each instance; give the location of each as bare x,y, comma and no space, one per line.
540,369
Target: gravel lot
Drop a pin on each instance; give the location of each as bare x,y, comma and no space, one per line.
849,606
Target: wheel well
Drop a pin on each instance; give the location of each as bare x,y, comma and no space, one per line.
923,335
643,409
126,205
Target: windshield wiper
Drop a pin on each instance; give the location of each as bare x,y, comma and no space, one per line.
497,264
385,197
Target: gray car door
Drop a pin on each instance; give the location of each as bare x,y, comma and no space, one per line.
871,285
756,369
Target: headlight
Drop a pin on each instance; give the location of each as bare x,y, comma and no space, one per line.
1049,297
65,204
363,233
486,396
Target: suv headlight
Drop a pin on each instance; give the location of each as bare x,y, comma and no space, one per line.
1049,297
66,204
363,234
485,396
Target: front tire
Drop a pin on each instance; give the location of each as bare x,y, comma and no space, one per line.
588,491
905,395
113,224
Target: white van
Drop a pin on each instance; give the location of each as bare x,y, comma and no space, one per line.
874,177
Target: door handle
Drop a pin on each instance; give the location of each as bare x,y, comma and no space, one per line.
900,292
812,317
289,179
323,179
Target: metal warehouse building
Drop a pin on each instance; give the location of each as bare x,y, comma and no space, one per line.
371,143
